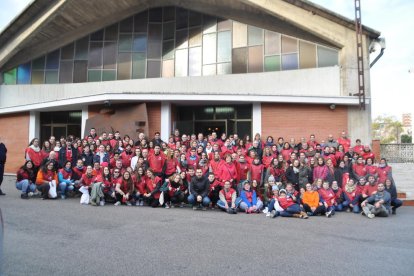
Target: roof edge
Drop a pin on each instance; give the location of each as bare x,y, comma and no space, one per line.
331,15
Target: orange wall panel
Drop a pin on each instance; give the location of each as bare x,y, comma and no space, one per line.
14,133
154,118
289,120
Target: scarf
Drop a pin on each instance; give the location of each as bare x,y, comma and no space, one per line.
36,149
350,189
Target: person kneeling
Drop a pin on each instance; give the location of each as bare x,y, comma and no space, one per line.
228,199
250,202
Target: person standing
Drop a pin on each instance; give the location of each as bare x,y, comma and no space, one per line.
3,157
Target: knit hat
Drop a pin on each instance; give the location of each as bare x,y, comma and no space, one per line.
271,179
282,191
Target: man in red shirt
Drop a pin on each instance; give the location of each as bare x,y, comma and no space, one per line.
156,161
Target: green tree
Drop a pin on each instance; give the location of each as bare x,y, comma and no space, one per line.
406,139
387,129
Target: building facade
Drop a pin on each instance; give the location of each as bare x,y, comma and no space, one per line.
282,68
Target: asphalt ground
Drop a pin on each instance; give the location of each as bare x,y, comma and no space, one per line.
61,237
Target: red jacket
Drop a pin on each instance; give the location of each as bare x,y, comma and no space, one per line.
107,184
320,172
344,142
126,158
359,169
172,165
215,167
367,155
228,194
227,171
244,169
371,169
369,189
286,153
139,185
156,162
256,173
266,160
153,186
87,180
36,157
328,196
285,202
383,173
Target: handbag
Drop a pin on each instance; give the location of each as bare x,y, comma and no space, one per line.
52,189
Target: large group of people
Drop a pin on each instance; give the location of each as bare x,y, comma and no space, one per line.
251,175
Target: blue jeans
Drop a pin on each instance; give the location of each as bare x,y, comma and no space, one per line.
271,205
222,205
355,209
25,186
193,200
339,207
291,210
395,203
64,187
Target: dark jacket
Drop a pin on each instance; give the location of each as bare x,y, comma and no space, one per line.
87,159
199,186
62,156
3,153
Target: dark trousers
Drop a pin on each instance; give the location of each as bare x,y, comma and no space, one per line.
1,173
44,189
214,195
176,198
120,197
153,202
395,203
320,210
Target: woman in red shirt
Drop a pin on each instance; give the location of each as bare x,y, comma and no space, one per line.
152,186
139,182
124,190
25,179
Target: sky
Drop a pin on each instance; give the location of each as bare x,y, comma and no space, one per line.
392,77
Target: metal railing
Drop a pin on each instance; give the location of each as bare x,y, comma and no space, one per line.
398,153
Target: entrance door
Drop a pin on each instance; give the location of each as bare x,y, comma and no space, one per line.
59,131
207,127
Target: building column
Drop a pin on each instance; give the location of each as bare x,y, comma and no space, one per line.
34,125
165,120
257,118
85,116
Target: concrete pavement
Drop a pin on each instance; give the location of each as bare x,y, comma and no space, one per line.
60,237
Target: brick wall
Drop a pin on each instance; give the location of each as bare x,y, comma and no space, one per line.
289,120
154,118
14,133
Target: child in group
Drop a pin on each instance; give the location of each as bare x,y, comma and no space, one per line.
250,202
273,208
290,208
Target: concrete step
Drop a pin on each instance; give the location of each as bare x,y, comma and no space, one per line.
408,202
401,195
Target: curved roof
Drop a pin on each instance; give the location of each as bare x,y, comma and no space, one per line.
46,24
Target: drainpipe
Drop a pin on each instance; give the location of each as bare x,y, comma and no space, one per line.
372,48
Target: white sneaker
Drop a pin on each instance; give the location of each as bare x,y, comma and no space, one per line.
329,214
265,211
129,203
268,214
141,203
117,203
102,203
371,216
